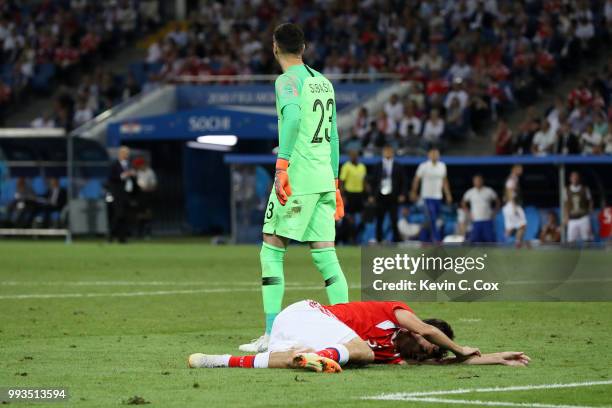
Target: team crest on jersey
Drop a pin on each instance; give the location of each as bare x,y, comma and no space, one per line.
289,90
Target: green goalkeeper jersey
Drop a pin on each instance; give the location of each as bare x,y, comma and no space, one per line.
311,146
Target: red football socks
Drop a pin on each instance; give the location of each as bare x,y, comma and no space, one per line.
242,361
330,353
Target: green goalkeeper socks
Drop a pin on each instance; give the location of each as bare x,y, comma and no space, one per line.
326,261
272,281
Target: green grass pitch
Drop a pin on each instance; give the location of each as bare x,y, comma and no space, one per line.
107,338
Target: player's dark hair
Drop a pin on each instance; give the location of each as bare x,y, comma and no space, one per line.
289,38
445,328
441,325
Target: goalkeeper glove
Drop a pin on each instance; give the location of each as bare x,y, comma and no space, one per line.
281,181
339,204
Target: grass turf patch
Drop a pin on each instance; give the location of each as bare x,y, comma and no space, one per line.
108,349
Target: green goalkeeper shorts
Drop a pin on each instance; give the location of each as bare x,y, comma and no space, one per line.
305,218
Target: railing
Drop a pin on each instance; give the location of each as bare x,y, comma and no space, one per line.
228,79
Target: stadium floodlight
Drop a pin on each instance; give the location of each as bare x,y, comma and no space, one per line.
221,143
220,140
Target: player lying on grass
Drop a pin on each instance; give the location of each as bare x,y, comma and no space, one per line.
323,338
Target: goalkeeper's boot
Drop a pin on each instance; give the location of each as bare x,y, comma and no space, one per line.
259,345
199,360
317,363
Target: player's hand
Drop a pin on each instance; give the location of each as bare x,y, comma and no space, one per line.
414,197
466,351
281,181
339,204
514,358
449,200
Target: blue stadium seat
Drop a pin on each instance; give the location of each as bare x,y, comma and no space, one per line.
9,186
39,185
449,227
263,180
500,232
92,190
533,223
595,225
369,232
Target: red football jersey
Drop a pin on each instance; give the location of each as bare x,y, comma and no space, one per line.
605,223
374,322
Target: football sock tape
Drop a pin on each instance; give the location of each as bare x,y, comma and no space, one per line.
327,264
272,281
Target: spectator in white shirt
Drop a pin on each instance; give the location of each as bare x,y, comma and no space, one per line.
608,139
82,113
394,108
545,139
433,130
515,221
591,141
457,91
432,178
44,121
608,12
585,30
460,69
154,53
362,123
480,200
386,125
409,120
432,60
557,113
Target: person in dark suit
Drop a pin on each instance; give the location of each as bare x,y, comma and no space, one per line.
21,209
53,201
387,186
121,184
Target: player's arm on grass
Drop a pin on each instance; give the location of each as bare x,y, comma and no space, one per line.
290,114
507,358
412,323
334,141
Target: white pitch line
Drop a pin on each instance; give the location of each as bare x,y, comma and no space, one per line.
402,395
149,293
492,403
121,283
136,283
553,281
492,389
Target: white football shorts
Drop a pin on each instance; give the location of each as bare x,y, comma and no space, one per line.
579,229
514,216
306,324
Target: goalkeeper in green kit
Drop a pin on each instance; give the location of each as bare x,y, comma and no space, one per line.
305,200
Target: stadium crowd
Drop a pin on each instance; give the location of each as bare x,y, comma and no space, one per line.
96,92
52,40
580,123
469,61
